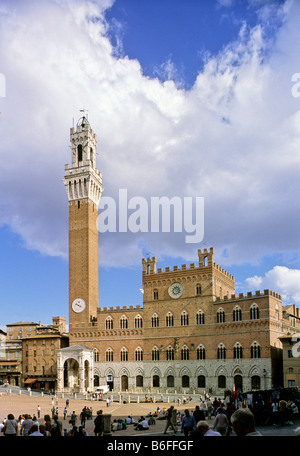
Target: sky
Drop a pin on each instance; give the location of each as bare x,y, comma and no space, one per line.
189,100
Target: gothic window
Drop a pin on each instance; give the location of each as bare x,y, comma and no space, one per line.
170,381
254,312
237,314
255,350
220,315
155,354
155,321
155,294
200,319
201,381
221,351
138,322
169,319
198,290
79,151
201,352
124,354
185,353
170,353
109,324
139,354
96,356
109,355
123,322
221,381
184,318
139,381
155,381
238,351
185,381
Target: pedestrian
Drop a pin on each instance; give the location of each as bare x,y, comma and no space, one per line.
34,431
221,421
204,430
83,417
65,412
56,428
188,423
198,414
169,420
243,423
73,418
99,423
10,428
47,423
38,411
26,425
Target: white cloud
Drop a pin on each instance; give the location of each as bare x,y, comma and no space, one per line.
233,138
281,279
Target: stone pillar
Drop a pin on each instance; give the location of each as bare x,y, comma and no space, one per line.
107,424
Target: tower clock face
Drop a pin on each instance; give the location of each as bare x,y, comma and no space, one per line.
175,290
78,305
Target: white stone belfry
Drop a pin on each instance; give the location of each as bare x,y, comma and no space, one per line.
83,179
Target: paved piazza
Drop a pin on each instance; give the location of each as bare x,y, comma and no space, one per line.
20,404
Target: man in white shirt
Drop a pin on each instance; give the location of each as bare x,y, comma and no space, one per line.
204,429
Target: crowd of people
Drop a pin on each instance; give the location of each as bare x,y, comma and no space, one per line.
234,414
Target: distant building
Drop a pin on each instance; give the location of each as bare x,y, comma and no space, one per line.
40,355
192,334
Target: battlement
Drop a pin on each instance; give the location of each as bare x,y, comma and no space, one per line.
205,260
119,308
249,295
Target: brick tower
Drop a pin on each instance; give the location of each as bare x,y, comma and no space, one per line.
83,184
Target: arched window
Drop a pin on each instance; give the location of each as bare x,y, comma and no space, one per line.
221,351
109,323
124,354
155,321
139,354
123,322
185,381
255,350
184,318
221,381
254,312
185,353
201,352
155,354
155,294
201,381
139,381
200,319
155,381
170,353
237,314
169,319
220,315
138,322
170,381
96,356
109,355
79,152
198,289
237,351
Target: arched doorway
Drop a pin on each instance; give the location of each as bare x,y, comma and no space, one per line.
238,383
71,373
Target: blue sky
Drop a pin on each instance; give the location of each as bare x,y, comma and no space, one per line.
188,99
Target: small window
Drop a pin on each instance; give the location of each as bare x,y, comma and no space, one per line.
79,151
